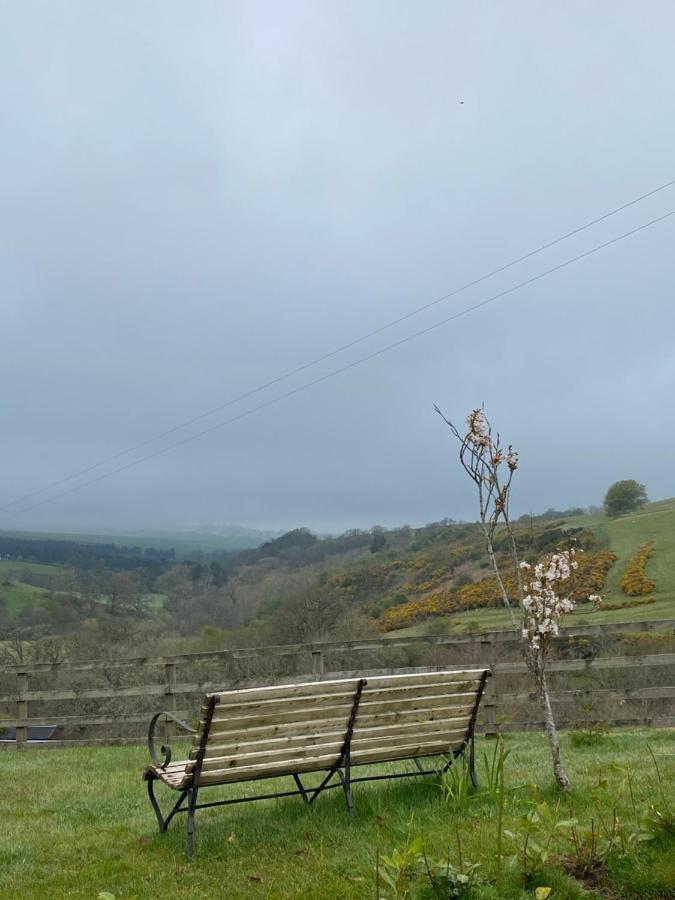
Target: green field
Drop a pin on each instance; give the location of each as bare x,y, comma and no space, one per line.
8,566
15,593
76,823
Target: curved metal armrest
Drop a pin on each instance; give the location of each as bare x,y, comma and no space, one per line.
165,748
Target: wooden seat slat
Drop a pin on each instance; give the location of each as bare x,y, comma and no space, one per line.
233,760
312,713
339,685
288,754
234,710
406,751
270,731
219,747
273,770
409,715
324,762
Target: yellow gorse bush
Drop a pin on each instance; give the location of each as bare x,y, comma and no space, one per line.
634,580
589,578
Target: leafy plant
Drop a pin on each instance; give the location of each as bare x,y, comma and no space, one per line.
534,836
397,870
448,882
592,846
456,786
589,737
661,818
401,871
493,766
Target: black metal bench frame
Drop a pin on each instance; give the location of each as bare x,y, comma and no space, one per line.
342,768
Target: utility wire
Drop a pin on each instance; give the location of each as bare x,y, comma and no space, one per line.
351,365
341,349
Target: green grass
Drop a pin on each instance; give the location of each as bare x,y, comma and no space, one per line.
654,522
480,620
8,566
77,823
16,594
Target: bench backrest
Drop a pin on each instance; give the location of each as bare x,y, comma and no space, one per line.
288,729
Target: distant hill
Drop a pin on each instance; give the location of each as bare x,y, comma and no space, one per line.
229,538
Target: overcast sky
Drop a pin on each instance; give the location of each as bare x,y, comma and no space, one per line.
197,197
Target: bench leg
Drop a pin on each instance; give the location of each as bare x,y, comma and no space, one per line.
472,763
161,821
347,788
301,788
192,802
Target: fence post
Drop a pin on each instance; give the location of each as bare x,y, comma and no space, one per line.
170,693
490,695
21,710
317,664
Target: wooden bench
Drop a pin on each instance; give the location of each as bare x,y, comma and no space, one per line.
325,726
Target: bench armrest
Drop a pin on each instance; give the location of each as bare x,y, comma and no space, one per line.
165,748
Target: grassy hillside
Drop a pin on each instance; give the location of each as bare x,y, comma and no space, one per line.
15,593
624,537
654,522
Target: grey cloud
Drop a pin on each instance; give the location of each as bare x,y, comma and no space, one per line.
193,201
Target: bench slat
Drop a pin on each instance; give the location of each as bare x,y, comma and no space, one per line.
406,751
222,747
233,710
269,731
339,685
312,713
446,737
322,763
453,730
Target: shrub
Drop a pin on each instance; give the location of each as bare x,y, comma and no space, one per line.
634,580
639,601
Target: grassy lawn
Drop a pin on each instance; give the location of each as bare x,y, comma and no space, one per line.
77,823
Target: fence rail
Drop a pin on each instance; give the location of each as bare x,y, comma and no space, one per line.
326,647
165,683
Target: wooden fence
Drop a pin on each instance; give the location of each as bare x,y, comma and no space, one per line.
168,682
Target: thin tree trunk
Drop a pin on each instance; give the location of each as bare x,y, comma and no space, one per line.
493,560
516,563
549,721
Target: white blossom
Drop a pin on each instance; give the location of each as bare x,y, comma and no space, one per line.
543,606
479,430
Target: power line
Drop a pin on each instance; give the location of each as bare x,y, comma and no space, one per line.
351,365
337,350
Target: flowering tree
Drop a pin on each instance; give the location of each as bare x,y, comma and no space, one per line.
541,597
481,457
